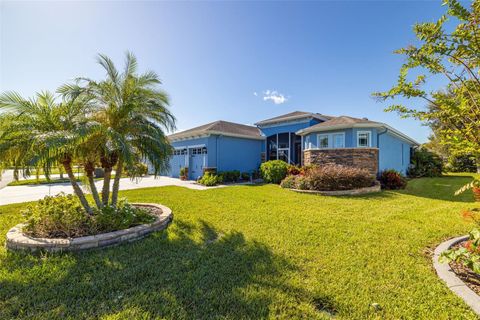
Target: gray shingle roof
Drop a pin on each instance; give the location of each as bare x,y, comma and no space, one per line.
293,116
336,122
350,122
220,127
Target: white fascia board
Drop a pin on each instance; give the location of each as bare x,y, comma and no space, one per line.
218,133
236,135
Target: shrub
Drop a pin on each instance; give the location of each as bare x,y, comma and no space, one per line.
425,164
183,173
462,163
273,171
209,179
62,216
289,182
305,169
302,183
467,254
123,216
337,177
392,180
330,178
245,176
293,170
229,176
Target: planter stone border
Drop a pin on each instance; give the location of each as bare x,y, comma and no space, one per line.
16,240
375,188
453,282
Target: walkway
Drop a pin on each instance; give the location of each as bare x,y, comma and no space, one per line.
17,194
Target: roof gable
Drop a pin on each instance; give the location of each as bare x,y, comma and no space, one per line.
292,116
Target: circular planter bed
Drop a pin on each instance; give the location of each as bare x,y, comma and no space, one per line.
375,188
453,276
16,240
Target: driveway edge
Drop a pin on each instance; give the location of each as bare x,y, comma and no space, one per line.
454,283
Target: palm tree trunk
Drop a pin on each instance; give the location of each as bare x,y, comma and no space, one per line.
89,170
106,185
116,181
67,164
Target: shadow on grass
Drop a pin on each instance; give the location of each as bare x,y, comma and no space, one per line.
190,272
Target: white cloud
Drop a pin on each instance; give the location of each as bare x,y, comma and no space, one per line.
255,93
274,96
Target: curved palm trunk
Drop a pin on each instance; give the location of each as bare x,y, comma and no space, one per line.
106,185
116,182
89,170
67,164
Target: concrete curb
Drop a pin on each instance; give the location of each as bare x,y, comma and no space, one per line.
375,188
16,240
454,283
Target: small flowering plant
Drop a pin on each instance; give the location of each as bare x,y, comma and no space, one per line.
467,254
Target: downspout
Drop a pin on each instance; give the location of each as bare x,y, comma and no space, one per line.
216,153
378,146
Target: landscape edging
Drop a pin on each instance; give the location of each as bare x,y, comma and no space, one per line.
454,283
16,240
375,188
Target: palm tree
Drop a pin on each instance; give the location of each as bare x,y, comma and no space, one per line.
42,133
133,115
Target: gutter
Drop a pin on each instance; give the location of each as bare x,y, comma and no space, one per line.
362,125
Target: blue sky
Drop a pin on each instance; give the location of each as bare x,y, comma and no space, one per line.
235,61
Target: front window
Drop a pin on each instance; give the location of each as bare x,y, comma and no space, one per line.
323,140
363,139
339,140
308,143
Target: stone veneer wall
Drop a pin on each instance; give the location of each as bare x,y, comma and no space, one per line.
366,158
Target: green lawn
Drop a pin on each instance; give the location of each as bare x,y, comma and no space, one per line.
254,252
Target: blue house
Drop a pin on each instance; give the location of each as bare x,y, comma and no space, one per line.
300,138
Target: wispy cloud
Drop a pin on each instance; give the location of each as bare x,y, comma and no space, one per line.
274,96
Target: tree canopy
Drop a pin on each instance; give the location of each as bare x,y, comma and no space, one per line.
450,48
113,123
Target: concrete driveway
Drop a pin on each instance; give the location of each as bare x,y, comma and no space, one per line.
7,177
17,194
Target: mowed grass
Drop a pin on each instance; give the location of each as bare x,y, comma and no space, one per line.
249,252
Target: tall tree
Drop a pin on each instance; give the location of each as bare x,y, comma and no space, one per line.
42,133
453,110
134,116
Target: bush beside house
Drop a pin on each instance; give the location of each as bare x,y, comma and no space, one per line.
392,180
425,163
274,171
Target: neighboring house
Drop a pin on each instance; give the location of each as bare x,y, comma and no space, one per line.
300,138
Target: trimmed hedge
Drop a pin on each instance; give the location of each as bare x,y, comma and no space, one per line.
330,178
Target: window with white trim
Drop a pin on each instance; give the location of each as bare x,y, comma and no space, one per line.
364,139
322,141
308,143
339,140
178,152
